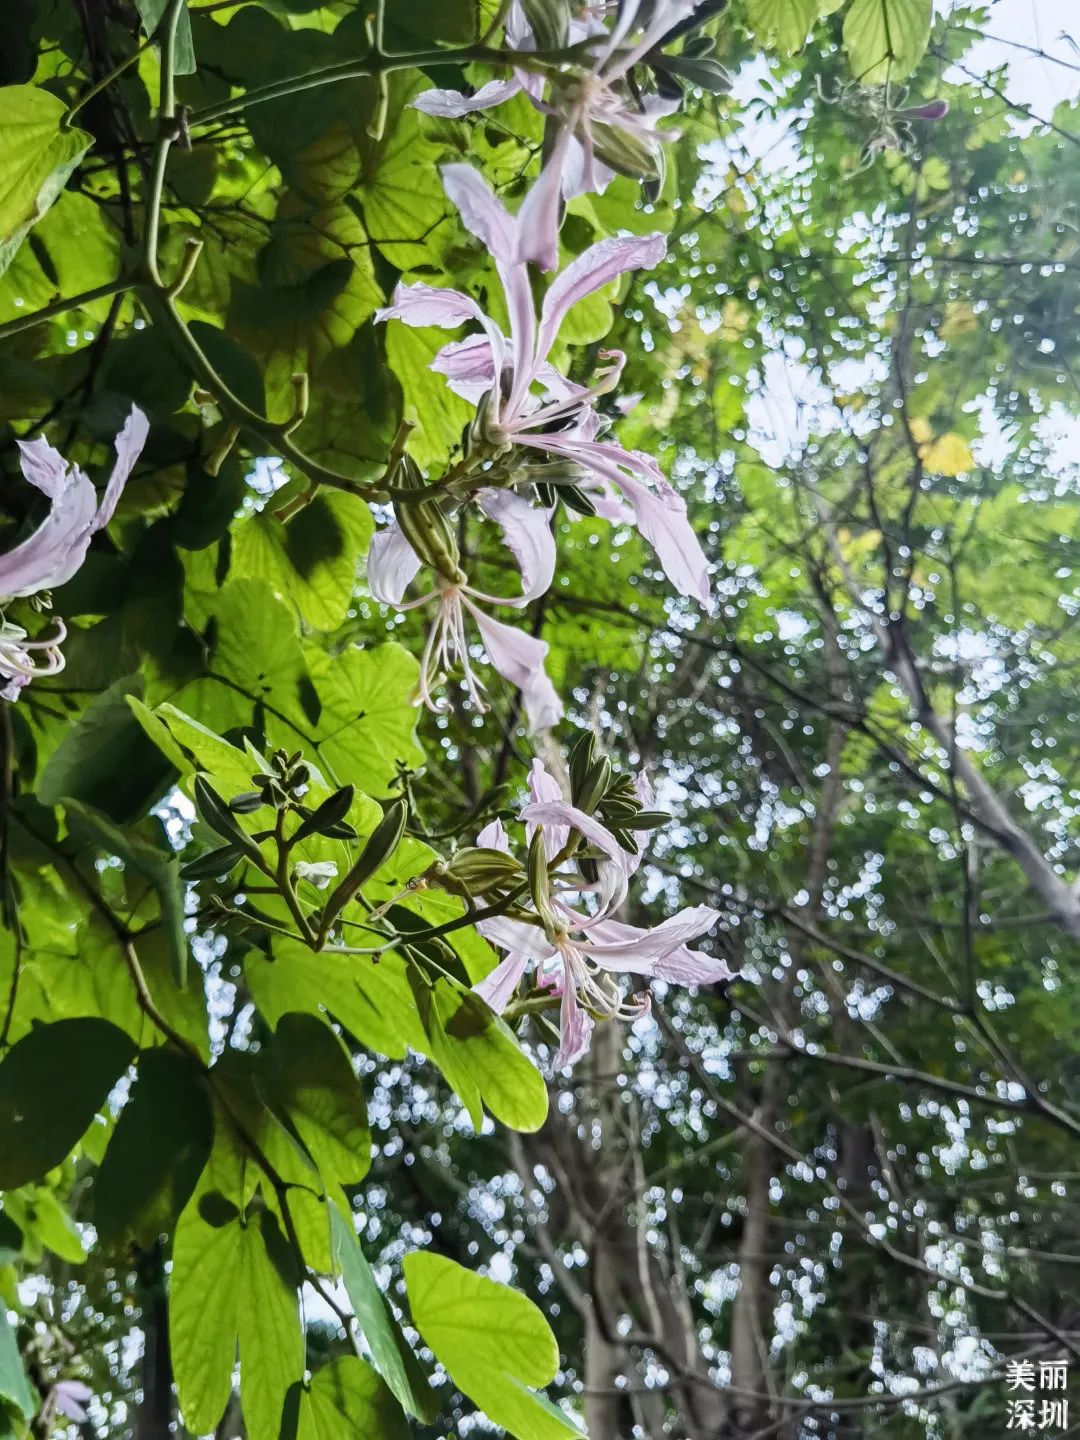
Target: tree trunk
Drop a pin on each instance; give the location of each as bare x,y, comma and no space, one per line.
604,1359
156,1406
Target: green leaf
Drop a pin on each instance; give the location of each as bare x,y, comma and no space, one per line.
389,1008
346,1400
311,562
786,23
373,1002
152,12
204,1303
105,759
160,869
886,39
271,1340
52,1083
158,1150
192,746
50,1223
479,1055
439,415
400,191
72,251
316,287
495,1344
237,368
391,1353
36,157
255,644
367,725
316,1088
11,1239
418,25
233,1278
15,1388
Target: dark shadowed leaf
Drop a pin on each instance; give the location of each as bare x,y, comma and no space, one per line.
158,1149
52,1084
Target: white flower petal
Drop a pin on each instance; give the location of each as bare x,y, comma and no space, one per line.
392,565
527,532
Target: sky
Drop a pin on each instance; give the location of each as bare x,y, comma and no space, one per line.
1031,38
1034,80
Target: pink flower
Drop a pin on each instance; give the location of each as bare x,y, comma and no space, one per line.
68,1398
52,554
599,114
56,549
932,110
576,954
527,402
580,960
393,564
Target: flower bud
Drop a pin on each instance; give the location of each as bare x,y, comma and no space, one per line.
560,472
626,153
428,531
478,870
574,498
932,110
380,845
424,524
216,813
540,883
595,784
581,758
703,71
646,820
549,21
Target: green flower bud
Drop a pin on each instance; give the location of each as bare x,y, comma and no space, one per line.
703,71
581,758
594,786
647,820
216,813
428,531
478,870
380,845
549,20
625,153
326,819
540,883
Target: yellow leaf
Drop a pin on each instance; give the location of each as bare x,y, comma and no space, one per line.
959,319
948,455
734,321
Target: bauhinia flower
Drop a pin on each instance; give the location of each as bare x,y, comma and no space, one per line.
393,564
523,399
605,125
576,955
52,554
68,1398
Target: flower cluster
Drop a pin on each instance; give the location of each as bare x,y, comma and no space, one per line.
603,124
538,436
526,408
581,863
52,553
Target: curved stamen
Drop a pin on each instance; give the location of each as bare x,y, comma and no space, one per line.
17,652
